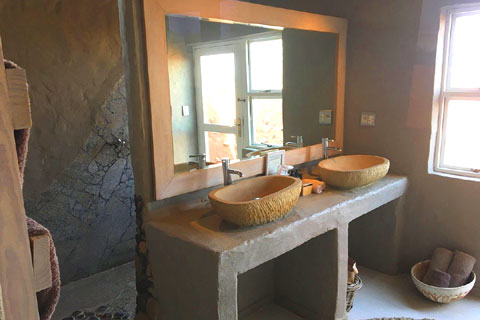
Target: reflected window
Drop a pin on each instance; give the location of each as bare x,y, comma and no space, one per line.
266,65
265,91
267,119
238,85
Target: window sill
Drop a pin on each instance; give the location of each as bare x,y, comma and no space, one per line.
453,175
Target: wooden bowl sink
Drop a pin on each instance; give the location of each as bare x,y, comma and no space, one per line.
256,201
353,171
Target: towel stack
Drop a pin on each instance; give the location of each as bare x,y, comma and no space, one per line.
448,269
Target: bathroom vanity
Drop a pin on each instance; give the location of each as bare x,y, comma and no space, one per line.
205,268
191,70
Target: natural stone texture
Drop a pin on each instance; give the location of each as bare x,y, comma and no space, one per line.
102,295
256,201
89,208
73,60
352,171
92,168
112,178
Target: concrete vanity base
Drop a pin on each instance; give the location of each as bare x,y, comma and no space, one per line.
204,268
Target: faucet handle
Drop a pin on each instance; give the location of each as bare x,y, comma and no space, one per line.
299,141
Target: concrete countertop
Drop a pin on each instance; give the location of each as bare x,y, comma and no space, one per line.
193,221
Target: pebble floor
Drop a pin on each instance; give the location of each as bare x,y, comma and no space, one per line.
109,295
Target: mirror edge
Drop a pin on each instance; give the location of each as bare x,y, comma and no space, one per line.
166,183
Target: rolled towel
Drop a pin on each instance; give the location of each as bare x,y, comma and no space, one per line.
460,268
437,278
441,259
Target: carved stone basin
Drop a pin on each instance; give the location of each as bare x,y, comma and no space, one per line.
256,201
353,171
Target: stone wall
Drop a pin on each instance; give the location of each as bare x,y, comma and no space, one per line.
89,208
78,178
72,54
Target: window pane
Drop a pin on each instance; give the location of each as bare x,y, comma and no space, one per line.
218,88
462,134
221,145
267,121
266,65
465,52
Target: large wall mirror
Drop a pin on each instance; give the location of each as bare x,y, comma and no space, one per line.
239,90
234,79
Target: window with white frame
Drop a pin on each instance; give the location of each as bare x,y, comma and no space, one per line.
457,148
265,91
239,85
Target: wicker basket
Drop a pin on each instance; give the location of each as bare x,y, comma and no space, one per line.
351,289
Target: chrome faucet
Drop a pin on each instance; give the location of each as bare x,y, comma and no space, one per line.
227,172
326,148
298,144
202,160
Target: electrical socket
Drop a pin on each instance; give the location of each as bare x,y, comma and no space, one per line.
368,119
325,117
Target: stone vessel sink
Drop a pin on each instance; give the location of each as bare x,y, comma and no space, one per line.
353,171
256,201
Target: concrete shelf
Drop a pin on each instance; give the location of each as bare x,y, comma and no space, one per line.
199,261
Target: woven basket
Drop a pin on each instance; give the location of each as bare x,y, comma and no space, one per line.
351,289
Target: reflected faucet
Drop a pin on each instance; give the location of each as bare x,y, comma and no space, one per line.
202,160
298,144
326,148
227,172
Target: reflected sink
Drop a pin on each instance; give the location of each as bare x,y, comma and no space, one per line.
256,201
353,171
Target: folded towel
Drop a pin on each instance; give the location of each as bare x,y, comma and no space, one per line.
437,278
460,268
47,299
441,259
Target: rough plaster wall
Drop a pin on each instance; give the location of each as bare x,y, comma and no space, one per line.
309,61
89,208
72,53
182,92
390,64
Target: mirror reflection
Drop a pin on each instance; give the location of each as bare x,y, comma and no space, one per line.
240,90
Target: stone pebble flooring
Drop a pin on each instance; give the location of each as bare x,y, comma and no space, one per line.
109,295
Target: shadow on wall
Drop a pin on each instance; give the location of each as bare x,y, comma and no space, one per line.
89,208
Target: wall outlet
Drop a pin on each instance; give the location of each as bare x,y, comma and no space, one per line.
367,119
325,117
185,111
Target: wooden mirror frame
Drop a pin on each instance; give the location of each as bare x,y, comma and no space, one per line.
166,183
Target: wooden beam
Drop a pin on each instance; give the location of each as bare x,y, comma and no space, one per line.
2,312
42,270
19,100
16,272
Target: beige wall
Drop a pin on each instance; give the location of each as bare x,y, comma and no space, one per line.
390,63
72,53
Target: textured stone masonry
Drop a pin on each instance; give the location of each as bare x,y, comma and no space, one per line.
90,209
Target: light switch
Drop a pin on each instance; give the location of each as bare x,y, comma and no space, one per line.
185,111
325,117
367,119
